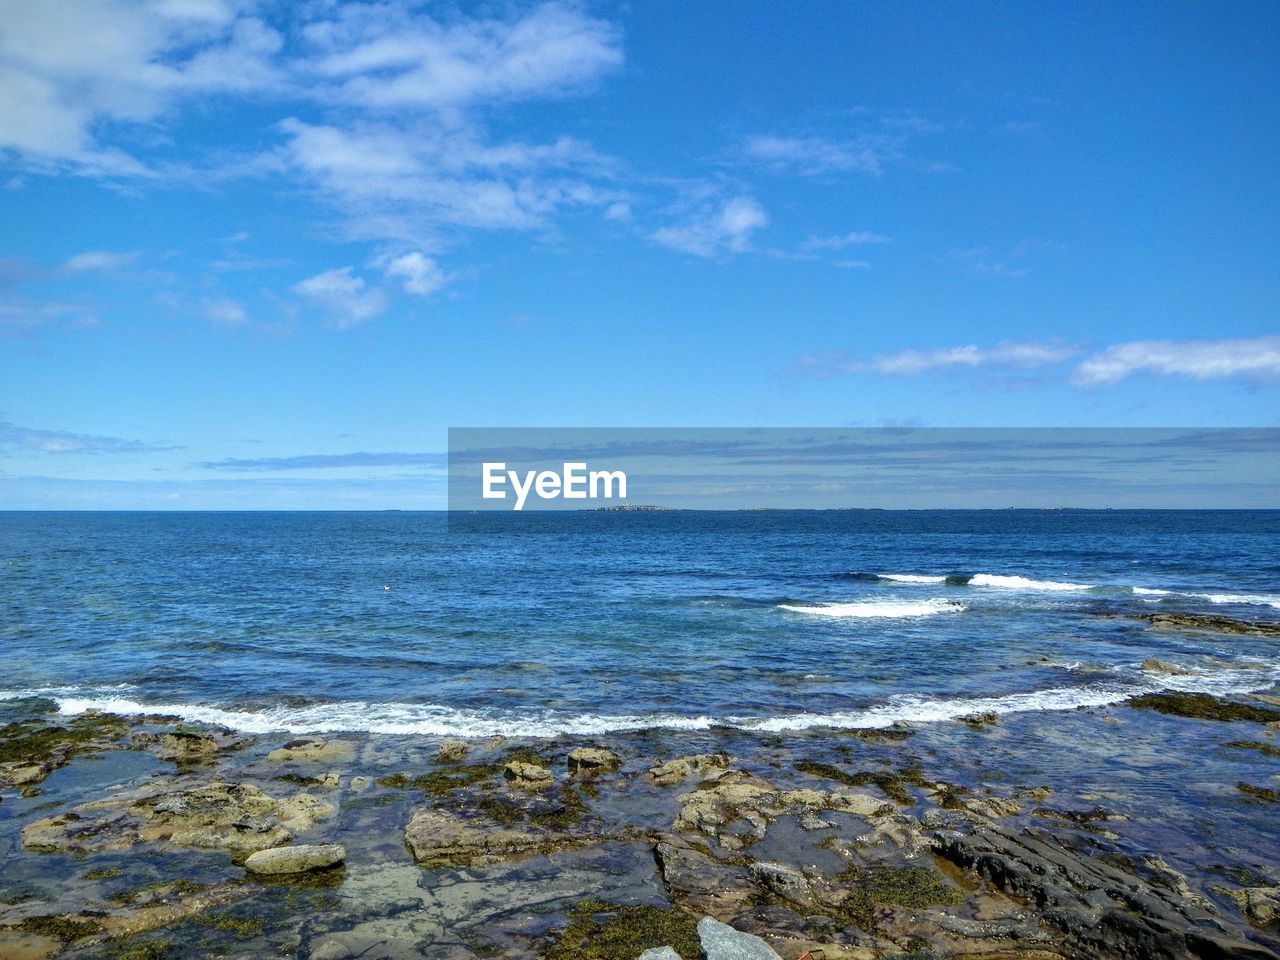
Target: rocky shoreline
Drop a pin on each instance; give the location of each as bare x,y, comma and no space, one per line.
142,839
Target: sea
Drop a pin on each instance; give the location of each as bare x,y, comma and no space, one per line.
589,623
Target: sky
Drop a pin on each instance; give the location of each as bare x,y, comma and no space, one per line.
264,254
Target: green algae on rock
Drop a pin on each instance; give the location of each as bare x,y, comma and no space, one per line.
1202,706
609,931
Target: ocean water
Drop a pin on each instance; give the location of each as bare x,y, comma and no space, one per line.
585,623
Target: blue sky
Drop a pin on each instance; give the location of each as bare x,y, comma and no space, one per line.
264,254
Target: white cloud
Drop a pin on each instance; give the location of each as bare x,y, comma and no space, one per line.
98,260
1023,356
856,238
618,212
384,56
412,184
723,228
421,274
813,155
1247,358
68,68
342,297
224,312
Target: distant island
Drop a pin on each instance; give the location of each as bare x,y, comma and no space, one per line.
631,508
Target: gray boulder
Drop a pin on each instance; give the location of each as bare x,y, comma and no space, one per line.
721,942
296,859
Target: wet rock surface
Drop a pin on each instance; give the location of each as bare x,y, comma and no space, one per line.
835,845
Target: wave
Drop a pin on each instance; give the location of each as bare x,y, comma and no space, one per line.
874,609
1023,583
442,721
911,578
1237,599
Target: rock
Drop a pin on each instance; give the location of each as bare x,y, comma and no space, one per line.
811,821
586,761
990,808
1162,666
1211,624
450,838
721,942
527,775
660,953
1260,905
452,751
675,771
696,879
783,880
183,746
295,859
312,750
15,945
1102,909
23,774
225,816
979,720
359,784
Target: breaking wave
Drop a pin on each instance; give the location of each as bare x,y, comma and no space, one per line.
877,609
437,720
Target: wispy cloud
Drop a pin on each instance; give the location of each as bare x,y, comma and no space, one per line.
21,316
57,90
389,57
841,241
419,274
1256,358
814,155
326,461
1017,261
1020,356
224,312
16,438
342,297
715,229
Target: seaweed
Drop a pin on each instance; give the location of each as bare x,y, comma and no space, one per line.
608,931
1260,793
1266,749
440,783
1202,706
146,950
61,927
33,741
912,887
892,783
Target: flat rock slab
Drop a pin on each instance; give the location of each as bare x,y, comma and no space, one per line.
660,953
1102,909
312,750
721,942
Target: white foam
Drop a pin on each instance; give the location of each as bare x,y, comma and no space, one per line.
436,720
1244,599
911,578
1150,592
873,609
1022,583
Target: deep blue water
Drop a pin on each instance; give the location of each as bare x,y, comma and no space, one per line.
581,622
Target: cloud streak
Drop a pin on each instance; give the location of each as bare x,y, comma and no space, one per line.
329,461
1256,358
26,439
715,230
